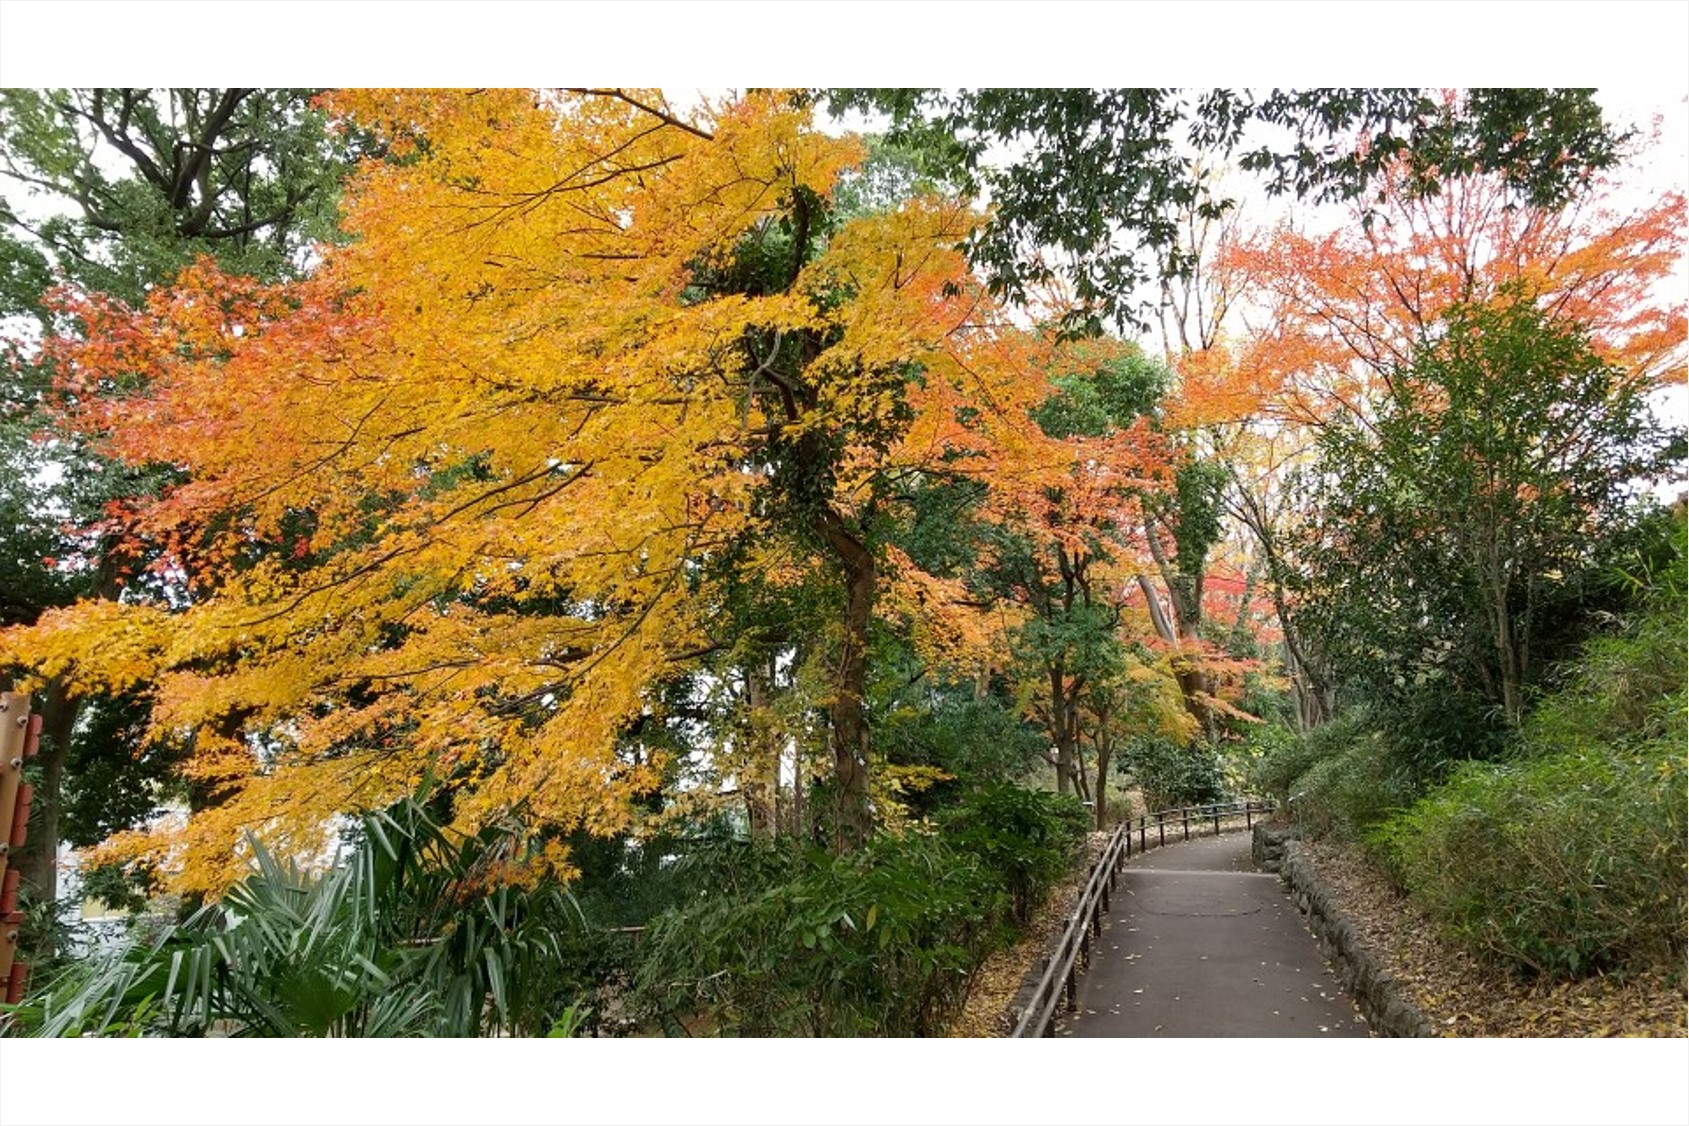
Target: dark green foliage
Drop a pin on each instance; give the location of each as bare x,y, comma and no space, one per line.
1028,839
247,176
972,740
1100,173
1456,534
1172,774
115,778
1115,392
1198,491
1569,858
409,934
880,941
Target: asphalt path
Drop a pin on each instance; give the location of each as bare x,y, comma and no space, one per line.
1199,943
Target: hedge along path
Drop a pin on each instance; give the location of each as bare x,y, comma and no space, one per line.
1199,943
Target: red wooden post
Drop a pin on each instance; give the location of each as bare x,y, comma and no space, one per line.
20,737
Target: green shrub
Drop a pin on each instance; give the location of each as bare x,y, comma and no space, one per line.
881,941
1565,865
1283,761
1351,791
1171,774
1343,777
1027,839
1570,858
789,941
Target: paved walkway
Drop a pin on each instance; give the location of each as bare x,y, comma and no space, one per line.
1199,943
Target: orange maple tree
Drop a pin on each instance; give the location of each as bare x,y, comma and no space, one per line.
1339,313
450,501
1330,319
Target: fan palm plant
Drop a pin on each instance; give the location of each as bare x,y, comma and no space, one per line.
404,936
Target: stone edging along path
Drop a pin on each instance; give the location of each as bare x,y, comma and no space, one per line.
1374,991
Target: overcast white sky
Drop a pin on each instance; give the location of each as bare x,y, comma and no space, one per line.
1634,51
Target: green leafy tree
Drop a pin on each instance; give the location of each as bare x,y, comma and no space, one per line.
1453,534
1100,176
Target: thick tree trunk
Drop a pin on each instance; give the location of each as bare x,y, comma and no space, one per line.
852,817
38,861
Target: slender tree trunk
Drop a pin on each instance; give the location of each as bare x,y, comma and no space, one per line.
800,792
1104,743
1512,693
1062,728
759,801
1081,781
1104,753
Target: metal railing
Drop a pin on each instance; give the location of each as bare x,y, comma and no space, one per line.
1059,985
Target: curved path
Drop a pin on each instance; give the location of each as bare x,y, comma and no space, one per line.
1199,943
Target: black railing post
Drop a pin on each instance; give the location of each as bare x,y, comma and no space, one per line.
1185,816
1161,826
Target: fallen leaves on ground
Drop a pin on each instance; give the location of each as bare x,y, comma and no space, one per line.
1463,996
999,977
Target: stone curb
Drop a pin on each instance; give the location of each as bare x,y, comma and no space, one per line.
1372,988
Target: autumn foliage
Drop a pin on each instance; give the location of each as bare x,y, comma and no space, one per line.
1336,313
447,507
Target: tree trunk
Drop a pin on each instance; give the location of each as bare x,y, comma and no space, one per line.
760,760
1104,743
1081,781
852,817
1182,634
38,861
1062,728
799,793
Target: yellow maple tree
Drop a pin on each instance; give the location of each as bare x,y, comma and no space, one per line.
449,503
